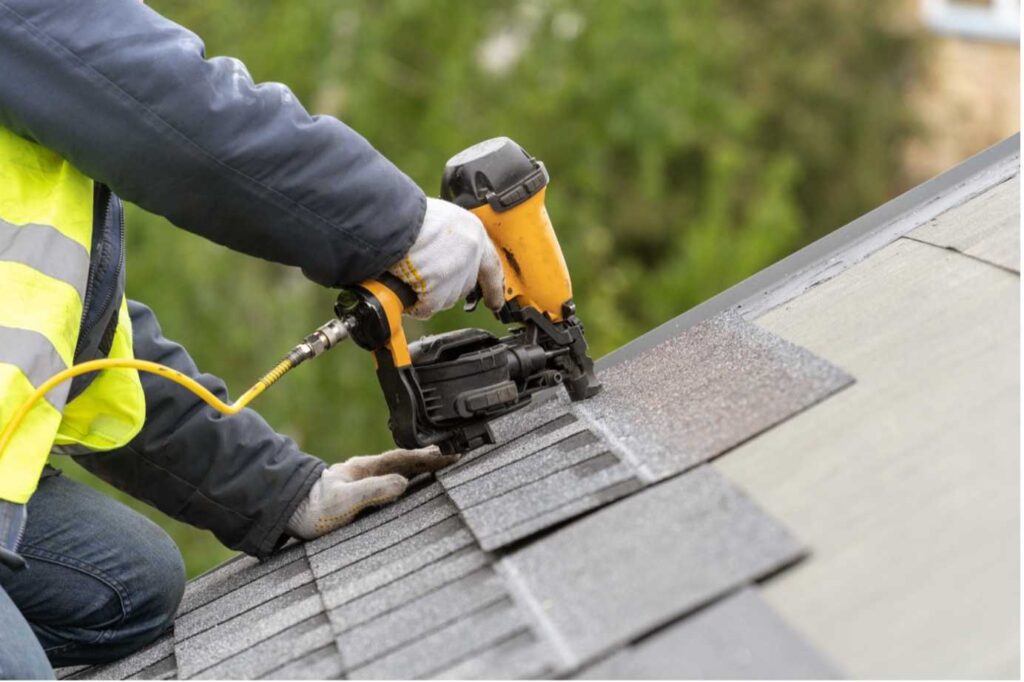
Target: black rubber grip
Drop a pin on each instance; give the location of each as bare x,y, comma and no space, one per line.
404,292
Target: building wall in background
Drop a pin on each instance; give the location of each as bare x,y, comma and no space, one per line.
968,94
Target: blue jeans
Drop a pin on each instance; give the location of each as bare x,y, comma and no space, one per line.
102,581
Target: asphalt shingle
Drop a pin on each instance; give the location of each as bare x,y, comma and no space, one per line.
322,664
418,618
421,492
246,617
153,662
643,561
164,669
521,440
232,574
418,582
446,646
535,505
662,412
738,637
394,562
266,587
297,642
363,545
534,466
393,596
521,656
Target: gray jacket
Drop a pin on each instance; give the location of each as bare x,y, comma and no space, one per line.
129,98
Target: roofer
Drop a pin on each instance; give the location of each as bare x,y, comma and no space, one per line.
98,98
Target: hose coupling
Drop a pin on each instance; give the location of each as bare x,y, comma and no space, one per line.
326,336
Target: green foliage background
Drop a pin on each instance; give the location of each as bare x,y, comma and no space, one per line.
691,143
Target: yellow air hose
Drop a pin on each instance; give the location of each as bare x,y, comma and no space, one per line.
324,338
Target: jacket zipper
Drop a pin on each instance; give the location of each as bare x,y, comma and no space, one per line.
111,289
19,536
90,283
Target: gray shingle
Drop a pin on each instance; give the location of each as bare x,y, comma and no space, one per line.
69,671
632,566
357,547
160,651
534,466
697,395
321,664
294,643
249,627
394,562
738,637
508,517
164,669
410,503
447,646
232,574
521,656
415,619
577,505
394,595
662,412
245,597
524,443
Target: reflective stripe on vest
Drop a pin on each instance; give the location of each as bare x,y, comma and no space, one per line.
46,215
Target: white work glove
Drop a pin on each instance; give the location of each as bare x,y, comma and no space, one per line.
347,488
451,254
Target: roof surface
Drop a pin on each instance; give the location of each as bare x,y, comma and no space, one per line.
600,539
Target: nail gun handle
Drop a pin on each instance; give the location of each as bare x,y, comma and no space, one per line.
504,186
375,309
404,292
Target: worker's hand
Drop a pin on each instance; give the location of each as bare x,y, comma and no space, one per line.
451,254
347,488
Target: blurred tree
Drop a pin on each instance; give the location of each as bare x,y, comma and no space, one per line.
691,143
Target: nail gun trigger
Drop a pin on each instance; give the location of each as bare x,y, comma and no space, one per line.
473,299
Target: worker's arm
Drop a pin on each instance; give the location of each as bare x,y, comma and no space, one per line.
128,97
232,475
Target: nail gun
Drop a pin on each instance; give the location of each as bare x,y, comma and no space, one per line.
441,390
444,390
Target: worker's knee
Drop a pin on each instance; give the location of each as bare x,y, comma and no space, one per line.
129,606
155,587
103,580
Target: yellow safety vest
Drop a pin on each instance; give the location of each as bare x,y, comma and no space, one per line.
46,214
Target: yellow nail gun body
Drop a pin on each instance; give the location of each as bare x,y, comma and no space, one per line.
443,390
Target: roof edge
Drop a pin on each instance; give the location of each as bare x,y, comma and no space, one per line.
830,255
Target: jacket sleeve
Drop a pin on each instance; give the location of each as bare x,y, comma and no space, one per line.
232,475
130,99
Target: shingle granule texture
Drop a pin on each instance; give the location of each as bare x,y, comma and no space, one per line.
692,539
667,410
153,662
246,617
737,637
